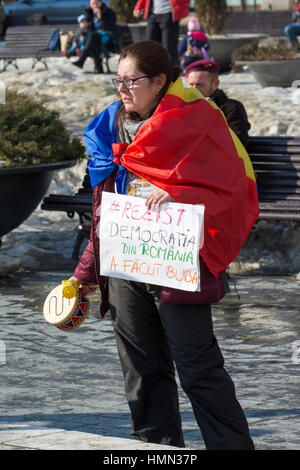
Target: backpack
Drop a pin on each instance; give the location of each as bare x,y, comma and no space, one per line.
53,42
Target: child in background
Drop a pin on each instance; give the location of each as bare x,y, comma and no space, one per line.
194,44
80,37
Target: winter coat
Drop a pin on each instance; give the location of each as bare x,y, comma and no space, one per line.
235,114
180,8
108,20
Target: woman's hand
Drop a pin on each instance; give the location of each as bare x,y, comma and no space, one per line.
83,287
157,198
98,12
137,13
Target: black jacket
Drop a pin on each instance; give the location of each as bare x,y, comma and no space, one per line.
235,114
108,21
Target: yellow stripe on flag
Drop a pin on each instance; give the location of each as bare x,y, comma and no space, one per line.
186,94
191,94
242,153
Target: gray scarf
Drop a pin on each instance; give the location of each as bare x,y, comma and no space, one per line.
129,129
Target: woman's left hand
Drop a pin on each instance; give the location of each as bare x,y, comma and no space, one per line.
157,198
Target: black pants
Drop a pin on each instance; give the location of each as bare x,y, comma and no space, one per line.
92,49
162,28
149,337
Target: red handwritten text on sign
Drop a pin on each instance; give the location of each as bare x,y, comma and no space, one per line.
161,247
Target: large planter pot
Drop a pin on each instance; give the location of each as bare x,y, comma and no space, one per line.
281,73
22,189
222,46
138,30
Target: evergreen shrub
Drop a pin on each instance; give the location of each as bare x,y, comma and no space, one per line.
269,49
123,10
31,134
212,14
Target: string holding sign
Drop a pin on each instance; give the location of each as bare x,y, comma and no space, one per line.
158,247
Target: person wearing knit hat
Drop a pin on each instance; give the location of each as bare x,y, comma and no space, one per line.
80,38
194,45
81,18
193,24
204,75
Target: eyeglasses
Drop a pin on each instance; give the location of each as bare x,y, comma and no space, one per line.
127,82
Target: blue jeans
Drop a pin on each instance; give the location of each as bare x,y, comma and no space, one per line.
292,31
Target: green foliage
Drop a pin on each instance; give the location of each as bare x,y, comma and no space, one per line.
123,10
274,49
212,14
31,134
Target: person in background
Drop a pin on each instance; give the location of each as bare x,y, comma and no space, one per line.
80,37
101,19
163,18
292,31
166,143
204,75
194,44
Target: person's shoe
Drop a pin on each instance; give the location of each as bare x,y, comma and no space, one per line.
98,68
66,55
77,63
77,52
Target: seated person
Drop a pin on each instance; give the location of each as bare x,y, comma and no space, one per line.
293,30
194,45
102,18
204,75
101,21
79,38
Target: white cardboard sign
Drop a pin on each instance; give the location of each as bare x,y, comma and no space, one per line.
156,247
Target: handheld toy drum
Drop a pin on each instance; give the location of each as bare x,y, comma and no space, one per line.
65,307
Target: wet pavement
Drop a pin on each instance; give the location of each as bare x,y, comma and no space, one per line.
73,381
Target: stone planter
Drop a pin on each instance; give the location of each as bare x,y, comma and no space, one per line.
22,189
222,46
138,31
281,73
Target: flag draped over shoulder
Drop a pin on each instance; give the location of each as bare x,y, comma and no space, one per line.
187,149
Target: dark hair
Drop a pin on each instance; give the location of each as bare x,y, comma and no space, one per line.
152,59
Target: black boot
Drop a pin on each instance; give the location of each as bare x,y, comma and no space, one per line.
77,63
98,66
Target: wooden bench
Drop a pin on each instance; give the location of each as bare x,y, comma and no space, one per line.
276,162
22,42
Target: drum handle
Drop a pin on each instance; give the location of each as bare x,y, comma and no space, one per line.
71,287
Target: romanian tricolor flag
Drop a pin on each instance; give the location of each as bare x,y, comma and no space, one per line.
187,149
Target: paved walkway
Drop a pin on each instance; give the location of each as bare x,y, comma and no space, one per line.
65,390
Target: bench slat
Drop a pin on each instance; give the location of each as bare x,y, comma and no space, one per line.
270,166
283,158
279,216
